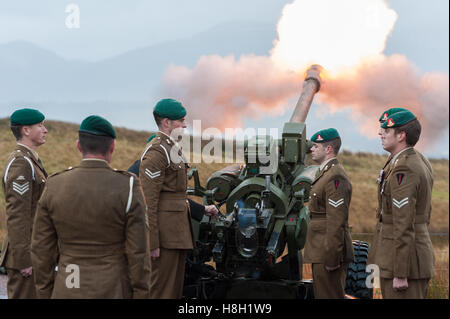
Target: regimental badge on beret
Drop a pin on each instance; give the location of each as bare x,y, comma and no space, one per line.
319,138
398,119
389,112
26,117
97,125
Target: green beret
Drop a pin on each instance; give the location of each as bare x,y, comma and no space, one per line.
398,119
26,117
151,138
325,135
389,112
170,108
97,125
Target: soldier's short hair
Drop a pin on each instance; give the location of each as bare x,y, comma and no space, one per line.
94,144
412,130
158,119
335,144
17,131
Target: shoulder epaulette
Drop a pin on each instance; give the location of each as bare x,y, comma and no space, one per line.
157,141
61,172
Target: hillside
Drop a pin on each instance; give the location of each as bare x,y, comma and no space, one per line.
60,152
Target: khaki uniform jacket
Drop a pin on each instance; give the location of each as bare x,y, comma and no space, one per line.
163,175
403,248
96,217
23,184
328,239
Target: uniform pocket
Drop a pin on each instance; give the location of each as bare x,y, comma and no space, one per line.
385,249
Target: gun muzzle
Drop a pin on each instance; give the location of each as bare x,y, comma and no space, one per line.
311,86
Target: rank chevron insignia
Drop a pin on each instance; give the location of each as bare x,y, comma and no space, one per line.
21,189
152,175
400,204
335,203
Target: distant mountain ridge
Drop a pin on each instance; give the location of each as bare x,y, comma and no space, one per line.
31,73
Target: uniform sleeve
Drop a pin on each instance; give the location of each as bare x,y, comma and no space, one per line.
151,174
404,193
18,198
197,210
337,205
137,243
44,249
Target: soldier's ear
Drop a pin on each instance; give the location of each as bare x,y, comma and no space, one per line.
79,146
401,136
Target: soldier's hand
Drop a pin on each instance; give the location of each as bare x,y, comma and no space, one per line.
331,268
26,272
399,284
154,253
211,210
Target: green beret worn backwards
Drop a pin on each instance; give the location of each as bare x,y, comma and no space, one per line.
151,138
26,117
398,119
97,125
389,112
170,108
325,135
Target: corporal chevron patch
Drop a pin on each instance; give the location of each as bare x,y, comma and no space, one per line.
152,175
337,203
21,188
401,203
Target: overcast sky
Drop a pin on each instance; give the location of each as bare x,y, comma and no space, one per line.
111,27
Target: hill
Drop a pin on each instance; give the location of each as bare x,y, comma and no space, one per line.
60,152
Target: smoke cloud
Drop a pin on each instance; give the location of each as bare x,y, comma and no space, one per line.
223,91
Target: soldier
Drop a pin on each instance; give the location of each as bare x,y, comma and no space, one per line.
96,216
384,172
328,243
164,181
23,183
402,248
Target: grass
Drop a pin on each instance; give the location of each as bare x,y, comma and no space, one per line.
362,168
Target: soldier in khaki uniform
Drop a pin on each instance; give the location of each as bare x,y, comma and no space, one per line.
96,216
23,183
328,243
163,175
403,249
385,171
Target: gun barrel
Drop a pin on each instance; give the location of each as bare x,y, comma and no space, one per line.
311,86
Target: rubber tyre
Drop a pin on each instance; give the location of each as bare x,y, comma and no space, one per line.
355,283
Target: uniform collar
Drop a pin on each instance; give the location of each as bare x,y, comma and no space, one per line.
326,162
94,163
33,152
170,137
329,163
396,156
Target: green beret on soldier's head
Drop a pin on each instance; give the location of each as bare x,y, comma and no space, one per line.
398,119
97,125
26,117
170,108
151,138
325,135
389,112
